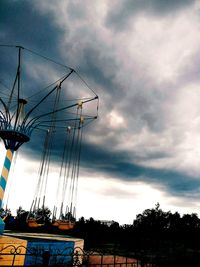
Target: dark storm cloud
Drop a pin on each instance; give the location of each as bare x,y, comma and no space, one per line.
119,15
117,164
94,67
144,112
99,66
22,24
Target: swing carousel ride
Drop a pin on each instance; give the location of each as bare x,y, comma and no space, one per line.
41,99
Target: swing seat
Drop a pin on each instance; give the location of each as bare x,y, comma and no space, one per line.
55,223
32,223
65,225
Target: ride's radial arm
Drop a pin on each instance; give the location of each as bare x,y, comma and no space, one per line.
5,173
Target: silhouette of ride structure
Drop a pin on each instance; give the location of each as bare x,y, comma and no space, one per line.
41,98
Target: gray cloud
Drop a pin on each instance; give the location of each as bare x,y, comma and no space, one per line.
118,16
23,24
119,165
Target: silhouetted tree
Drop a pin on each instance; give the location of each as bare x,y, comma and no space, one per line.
20,219
152,220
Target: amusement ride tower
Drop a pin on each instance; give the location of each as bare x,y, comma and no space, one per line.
16,125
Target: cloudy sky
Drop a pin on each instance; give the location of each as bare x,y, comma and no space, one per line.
142,59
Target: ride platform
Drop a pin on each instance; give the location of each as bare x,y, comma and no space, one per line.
29,249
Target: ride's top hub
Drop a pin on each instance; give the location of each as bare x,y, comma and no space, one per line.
22,101
13,139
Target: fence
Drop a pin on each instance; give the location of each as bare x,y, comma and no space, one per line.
21,256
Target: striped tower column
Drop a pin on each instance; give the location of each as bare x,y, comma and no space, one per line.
5,173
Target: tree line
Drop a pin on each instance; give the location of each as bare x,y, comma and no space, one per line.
155,233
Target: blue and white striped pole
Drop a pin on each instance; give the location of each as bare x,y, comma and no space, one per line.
3,181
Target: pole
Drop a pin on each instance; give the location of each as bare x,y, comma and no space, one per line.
3,181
